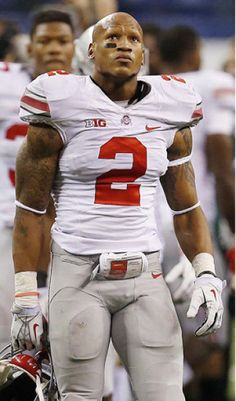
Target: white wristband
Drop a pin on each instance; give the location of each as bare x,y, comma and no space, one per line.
26,289
203,262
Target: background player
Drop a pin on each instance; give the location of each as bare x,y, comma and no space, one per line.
213,163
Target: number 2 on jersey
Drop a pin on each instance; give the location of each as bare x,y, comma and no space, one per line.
104,193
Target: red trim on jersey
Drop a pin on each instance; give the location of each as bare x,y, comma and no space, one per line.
213,292
197,113
224,91
37,104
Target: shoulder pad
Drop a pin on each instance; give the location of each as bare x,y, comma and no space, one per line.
58,84
179,102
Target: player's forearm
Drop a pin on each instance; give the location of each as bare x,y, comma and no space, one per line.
45,254
193,233
27,240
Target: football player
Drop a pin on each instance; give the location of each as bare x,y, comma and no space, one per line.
101,144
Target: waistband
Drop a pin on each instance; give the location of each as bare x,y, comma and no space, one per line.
154,263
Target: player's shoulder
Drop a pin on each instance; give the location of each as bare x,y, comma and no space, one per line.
217,77
13,79
56,85
6,67
210,80
173,88
178,101
12,70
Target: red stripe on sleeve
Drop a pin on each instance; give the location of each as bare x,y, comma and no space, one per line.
197,113
37,104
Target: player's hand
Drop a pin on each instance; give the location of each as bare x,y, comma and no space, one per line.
27,327
207,294
183,276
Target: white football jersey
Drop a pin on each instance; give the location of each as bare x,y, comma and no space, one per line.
217,91
112,159
13,79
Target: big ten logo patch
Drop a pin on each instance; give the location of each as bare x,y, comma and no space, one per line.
95,122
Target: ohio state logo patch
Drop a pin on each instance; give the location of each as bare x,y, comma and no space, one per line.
126,120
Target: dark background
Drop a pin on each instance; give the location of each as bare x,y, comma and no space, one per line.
211,18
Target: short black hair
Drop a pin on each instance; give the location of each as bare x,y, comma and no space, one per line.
5,45
176,42
50,15
11,29
151,28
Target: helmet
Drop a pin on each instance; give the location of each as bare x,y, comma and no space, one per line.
17,368
84,65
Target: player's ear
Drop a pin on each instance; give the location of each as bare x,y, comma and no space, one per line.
143,56
91,51
29,49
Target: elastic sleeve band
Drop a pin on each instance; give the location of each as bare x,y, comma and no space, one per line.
176,212
30,209
178,162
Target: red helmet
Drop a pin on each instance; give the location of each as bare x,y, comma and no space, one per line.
38,367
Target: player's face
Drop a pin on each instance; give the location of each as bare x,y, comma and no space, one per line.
118,48
52,47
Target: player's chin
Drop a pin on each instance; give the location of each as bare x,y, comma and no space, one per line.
53,66
124,72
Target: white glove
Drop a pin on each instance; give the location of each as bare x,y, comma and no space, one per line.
207,293
182,275
27,327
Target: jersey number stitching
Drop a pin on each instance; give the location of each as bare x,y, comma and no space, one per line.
104,193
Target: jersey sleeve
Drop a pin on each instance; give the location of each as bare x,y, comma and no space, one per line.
178,103
184,101
35,105
221,104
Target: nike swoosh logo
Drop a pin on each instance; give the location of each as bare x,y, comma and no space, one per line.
156,275
149,129
35,328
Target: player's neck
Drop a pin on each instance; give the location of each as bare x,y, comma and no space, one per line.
117,90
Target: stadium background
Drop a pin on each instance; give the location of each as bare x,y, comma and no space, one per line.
213,19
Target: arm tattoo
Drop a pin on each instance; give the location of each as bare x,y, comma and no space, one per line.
182,145
177,182
187,139
36,167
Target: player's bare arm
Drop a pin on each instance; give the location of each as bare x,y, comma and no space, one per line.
45,254
35,171
179,185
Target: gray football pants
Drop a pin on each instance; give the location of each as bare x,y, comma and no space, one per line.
139,316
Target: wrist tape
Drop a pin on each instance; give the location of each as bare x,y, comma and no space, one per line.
26,290
203,263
